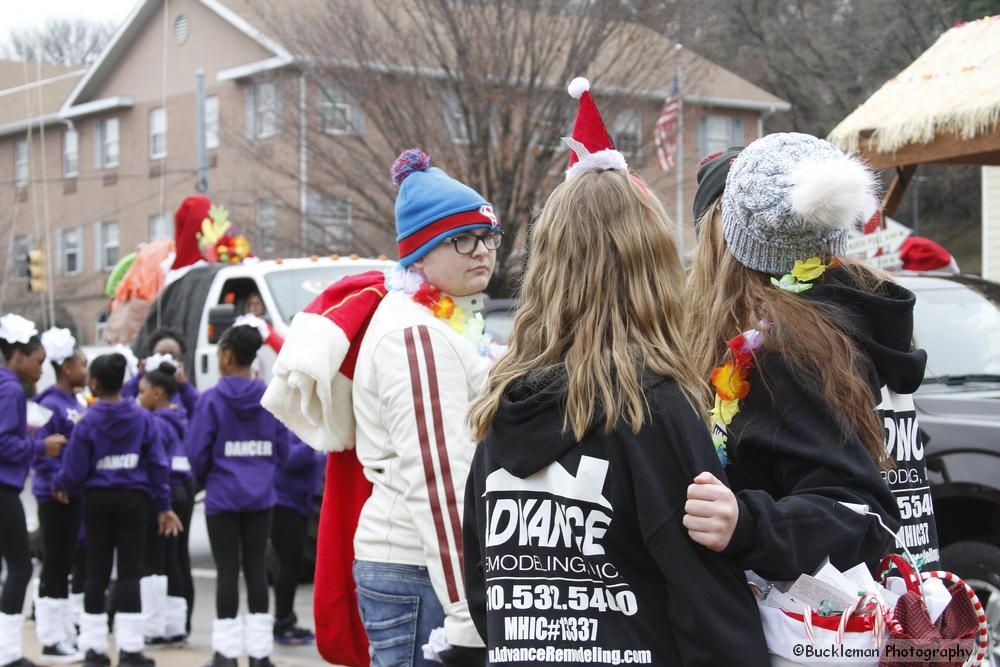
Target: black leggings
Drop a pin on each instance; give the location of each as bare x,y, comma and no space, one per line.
60,524
231,535
178,556
288,537
114,520
79,568
13,550
154,549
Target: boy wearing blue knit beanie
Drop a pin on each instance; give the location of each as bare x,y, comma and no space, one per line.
421,361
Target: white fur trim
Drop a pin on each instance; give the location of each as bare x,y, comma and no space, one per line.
834,193
577,87
307,392
600,161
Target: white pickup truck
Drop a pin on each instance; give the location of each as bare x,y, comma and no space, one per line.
203,303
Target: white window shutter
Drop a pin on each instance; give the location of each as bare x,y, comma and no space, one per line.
737,132
277,106
248,108
97,246
59,252
357,116
97,145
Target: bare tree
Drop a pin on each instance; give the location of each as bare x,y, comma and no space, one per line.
480,85
826,58
60,41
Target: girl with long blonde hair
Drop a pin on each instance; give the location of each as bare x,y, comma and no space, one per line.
588,440
798,343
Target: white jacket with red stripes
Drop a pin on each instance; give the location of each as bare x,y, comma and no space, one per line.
413,382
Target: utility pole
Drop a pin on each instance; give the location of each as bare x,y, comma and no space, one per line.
201,140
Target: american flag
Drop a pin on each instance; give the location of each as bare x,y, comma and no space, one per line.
665,131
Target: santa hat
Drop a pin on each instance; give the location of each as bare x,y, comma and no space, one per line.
311,393
591,148
187,224
922,254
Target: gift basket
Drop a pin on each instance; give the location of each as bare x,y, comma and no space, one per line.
850,618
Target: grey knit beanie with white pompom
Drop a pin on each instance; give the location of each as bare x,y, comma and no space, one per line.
792,196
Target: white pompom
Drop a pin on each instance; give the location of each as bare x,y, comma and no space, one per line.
833,192
577,87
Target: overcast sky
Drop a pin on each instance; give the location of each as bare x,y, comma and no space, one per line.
30,13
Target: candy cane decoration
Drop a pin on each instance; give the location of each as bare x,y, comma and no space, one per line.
807,616
979,652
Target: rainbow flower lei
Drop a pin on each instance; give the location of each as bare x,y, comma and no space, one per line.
415,285
730,379
731,385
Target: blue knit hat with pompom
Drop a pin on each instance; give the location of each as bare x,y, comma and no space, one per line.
432,206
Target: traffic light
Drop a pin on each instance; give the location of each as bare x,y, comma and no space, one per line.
36,271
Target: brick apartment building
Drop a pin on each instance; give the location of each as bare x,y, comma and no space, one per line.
94,162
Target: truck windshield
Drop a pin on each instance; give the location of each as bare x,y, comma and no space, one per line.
294,289
959,326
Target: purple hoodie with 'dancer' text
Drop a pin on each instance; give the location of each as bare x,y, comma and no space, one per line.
234,446
116,445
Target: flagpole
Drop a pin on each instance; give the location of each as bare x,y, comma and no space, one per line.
679,166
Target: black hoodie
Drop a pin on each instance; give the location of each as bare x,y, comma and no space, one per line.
882,324
575,552
792,461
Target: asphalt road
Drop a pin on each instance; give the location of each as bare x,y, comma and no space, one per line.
199,649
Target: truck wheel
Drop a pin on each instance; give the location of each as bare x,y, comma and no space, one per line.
978,563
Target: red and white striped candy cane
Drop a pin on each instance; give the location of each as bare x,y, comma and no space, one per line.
982,636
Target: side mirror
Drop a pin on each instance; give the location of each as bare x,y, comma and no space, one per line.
220,318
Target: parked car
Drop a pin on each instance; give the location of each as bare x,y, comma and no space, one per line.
957,320
203,303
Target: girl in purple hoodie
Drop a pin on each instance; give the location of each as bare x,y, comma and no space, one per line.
23,358
113,456
171,608
234,447
59,522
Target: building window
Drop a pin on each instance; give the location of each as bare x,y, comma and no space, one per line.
626,131
21,163
106,143
157,133
454,120
70,153
717,133
71,256
19,247
552,124
107,245
267,228
328,223
339,112
161,227
212,122
263,109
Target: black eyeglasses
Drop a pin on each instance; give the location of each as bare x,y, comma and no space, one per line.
466,243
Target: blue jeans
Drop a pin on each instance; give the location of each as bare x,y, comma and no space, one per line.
399,609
